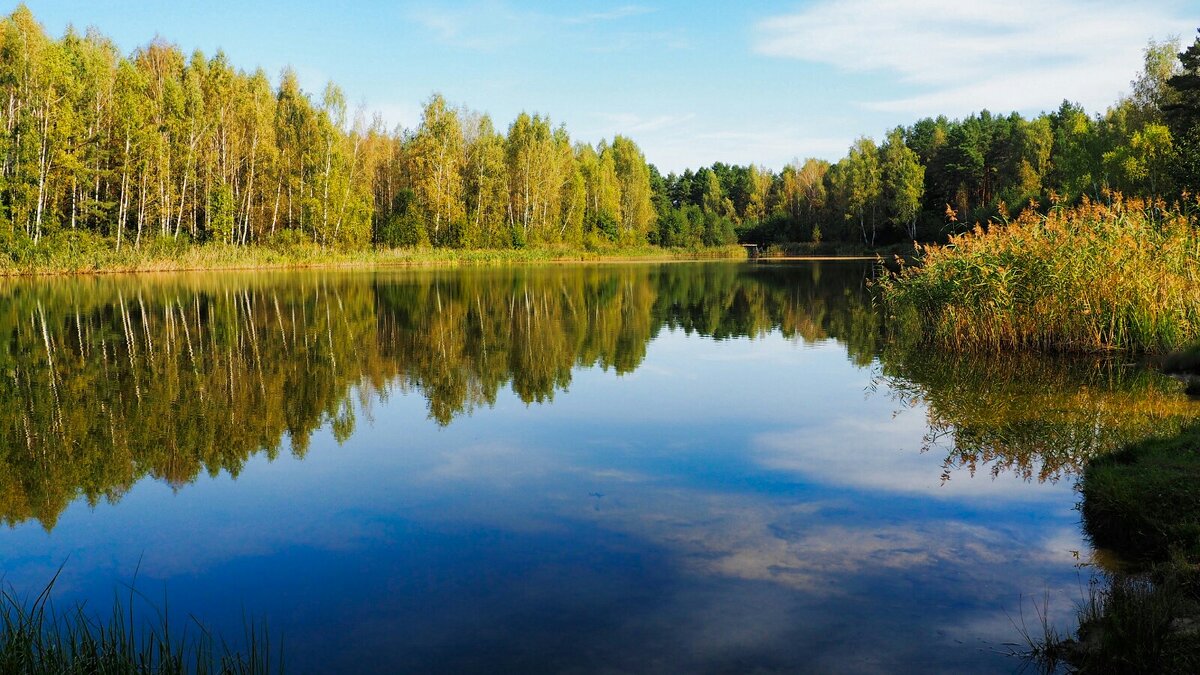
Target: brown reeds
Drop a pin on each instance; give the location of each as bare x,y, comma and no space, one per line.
1120,274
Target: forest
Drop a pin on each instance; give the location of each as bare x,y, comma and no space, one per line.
102,149
938,176
165,145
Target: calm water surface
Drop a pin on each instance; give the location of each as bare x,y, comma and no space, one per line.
706,467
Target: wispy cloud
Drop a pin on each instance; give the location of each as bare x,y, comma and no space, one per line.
483,26
492,25
630,123
673,39
962,56
677,141
622,12
880,457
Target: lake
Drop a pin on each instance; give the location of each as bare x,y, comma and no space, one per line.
691,467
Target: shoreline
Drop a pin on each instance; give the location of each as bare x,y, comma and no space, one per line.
213,259
203,259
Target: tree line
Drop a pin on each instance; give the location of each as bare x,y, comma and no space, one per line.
939,176
163,144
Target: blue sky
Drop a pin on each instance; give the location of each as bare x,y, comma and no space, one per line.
693,82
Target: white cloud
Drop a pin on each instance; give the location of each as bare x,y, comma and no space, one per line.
483,27
493,25
677,141
960,57
614,14
399,113
630,123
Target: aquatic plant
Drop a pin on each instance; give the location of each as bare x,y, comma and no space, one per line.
1095,277
37,637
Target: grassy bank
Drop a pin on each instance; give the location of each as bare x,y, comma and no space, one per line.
1141,504
1097,277
834,249
1144,501
79,253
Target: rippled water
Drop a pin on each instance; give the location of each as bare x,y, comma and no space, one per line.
667,468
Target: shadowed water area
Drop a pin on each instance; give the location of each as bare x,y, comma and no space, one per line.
698,467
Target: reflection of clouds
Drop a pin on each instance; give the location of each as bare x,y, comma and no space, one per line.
854,588
805,543
486,461
837,581
1065,546
814,547
878,455
619,476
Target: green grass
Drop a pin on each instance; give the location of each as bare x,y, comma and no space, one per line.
1097,277
79,252
36,637
1141,504
1133,624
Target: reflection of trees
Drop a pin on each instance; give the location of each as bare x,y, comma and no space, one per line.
107,380
1037,417
104,381
460,336
813,302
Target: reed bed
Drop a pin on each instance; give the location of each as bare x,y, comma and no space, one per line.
1101,276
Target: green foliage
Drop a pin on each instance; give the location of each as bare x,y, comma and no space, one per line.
718,230
403,230
221,214
285,241
606,226
1182,113
938,176
173,145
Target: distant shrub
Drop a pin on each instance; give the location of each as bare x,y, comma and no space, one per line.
64,249
718,230
288,240
402,231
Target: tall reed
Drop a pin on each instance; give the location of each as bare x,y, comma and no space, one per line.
37,637
1113,275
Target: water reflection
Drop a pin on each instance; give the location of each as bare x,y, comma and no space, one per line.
1040,418
679,468
111,379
